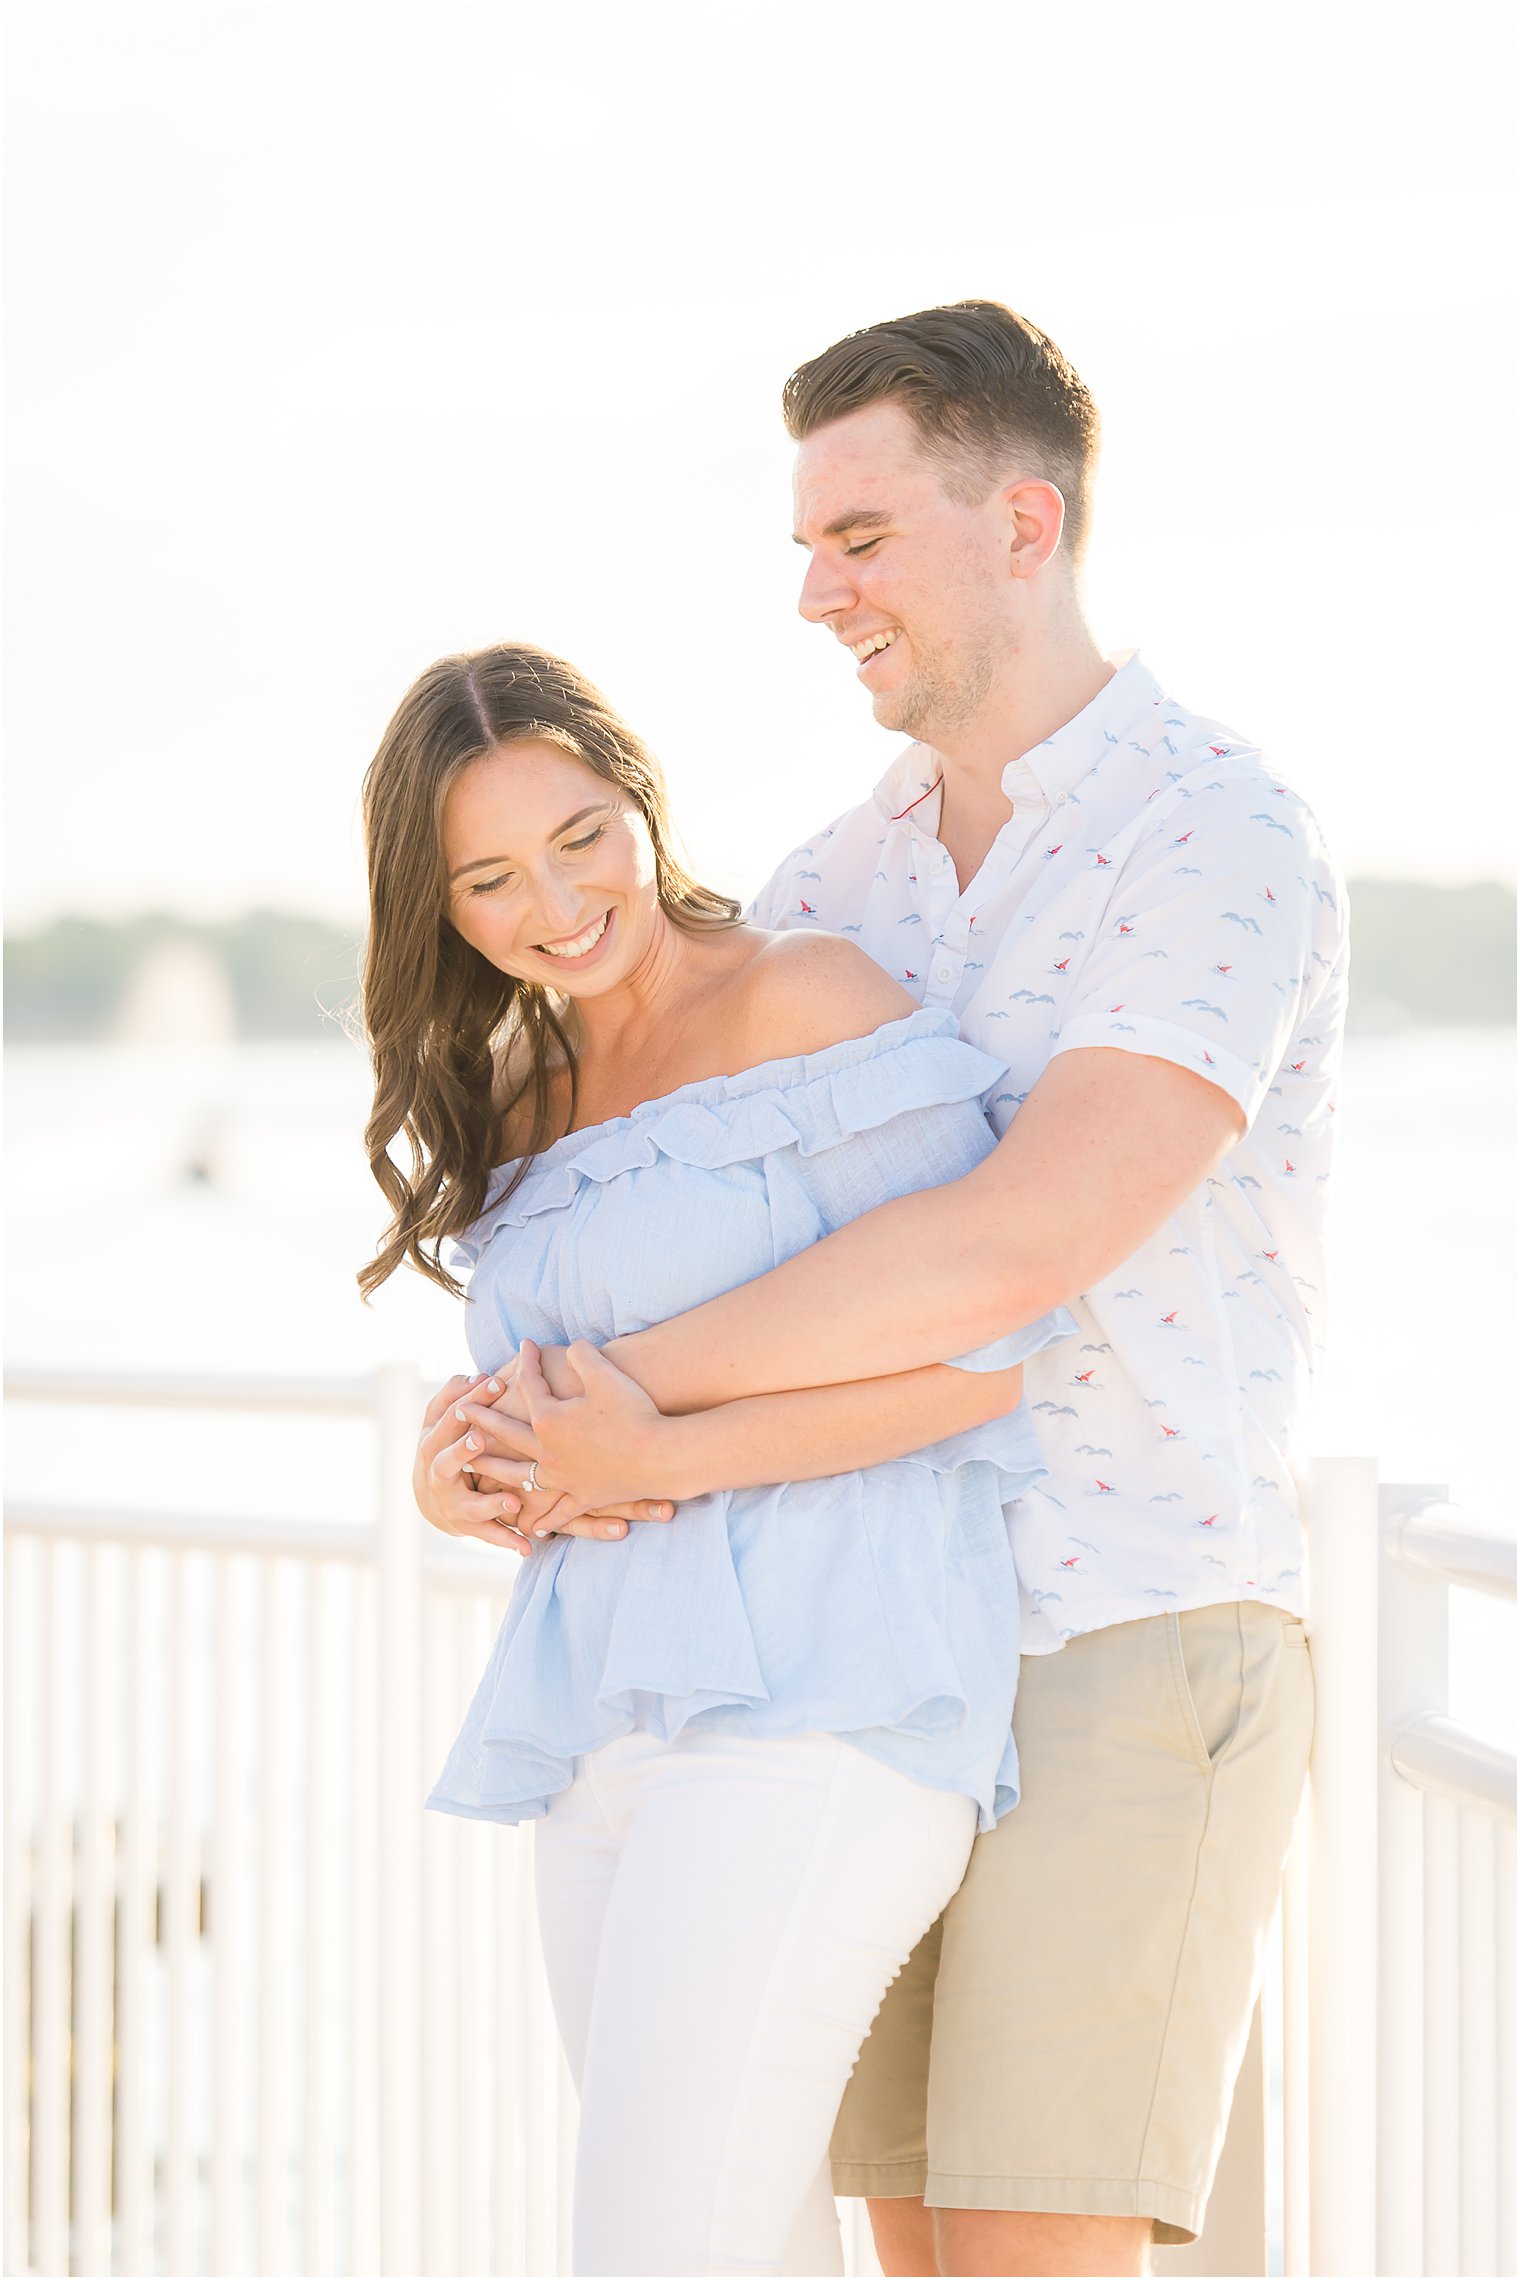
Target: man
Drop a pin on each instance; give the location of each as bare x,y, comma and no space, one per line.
1125,904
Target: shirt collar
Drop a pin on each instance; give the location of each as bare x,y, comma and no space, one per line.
1048,772
1057,766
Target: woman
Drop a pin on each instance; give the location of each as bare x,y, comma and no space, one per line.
757,1742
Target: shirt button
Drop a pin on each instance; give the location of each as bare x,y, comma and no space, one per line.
942,973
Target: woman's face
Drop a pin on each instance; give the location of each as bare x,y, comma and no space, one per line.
551,869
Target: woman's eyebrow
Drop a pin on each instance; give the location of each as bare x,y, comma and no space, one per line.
482,862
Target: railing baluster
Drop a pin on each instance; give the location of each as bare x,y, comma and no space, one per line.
50,1968
364,2062
269,2059
136,2196
1443,2245
1342,1527
20,1896
472,1936
399,1892
180,1931
513,2242
316,2149
1504,2066
1479,2087
93,1929
230,1957
440,1968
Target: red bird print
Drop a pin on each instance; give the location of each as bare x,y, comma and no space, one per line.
1103,862
1083,1377
1123,929
1171,1431
1209,1058
1298,1067
1186,836
1169,1319
909,975
1073,1561
807,909
1219,750
1060,843
1267,895
1061,967
1119,1008
1107,1486
1213,1516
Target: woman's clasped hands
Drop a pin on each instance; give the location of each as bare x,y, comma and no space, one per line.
484,1438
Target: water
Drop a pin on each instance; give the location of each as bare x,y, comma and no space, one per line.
122,1258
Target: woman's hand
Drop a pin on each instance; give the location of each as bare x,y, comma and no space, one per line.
456,1496
597,1448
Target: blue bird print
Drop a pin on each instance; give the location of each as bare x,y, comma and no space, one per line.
1272,824
1202,1005
1235,919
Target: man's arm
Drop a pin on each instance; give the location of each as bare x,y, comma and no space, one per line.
1107,1146
597,1426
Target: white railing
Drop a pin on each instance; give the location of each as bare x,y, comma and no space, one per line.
264,2015
1399,1990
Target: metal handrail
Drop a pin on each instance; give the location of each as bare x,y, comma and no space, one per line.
464,1562
1435,1539
322,1396
1437,1755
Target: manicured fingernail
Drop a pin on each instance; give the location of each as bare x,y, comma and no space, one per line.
540,1531
492,1386
472,1440
614,1528
510,1504
459,1413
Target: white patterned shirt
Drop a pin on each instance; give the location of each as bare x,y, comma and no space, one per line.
1157,888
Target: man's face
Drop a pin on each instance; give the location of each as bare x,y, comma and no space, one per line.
913,581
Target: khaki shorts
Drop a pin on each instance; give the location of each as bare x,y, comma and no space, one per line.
1067,2036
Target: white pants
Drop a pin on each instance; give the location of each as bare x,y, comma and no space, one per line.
721,1917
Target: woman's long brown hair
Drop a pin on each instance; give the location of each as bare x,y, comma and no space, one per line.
438,1015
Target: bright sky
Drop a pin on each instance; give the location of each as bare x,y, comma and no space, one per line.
346,334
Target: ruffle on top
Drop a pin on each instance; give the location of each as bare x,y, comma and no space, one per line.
880,1604
809,1102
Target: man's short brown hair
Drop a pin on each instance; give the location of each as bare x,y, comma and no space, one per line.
989,393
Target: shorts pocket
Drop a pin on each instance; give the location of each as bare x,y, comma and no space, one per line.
1208,1662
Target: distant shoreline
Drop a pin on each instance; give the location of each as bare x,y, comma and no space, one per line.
1423,955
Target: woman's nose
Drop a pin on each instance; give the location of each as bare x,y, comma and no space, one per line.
558,905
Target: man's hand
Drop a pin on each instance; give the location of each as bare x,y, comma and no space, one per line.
459,1497
597,1444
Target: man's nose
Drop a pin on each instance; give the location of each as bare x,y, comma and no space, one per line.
825,591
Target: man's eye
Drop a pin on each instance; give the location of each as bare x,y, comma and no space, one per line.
864,547
575,846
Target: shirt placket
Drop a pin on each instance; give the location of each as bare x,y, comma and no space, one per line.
954,955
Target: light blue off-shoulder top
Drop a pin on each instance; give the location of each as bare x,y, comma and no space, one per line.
879,1605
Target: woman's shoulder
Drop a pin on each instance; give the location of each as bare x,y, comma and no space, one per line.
804,991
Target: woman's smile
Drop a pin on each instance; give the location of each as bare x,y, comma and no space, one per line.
580,950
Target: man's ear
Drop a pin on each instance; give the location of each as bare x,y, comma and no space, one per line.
1036,514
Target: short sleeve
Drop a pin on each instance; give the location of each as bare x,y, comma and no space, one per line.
1225,926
